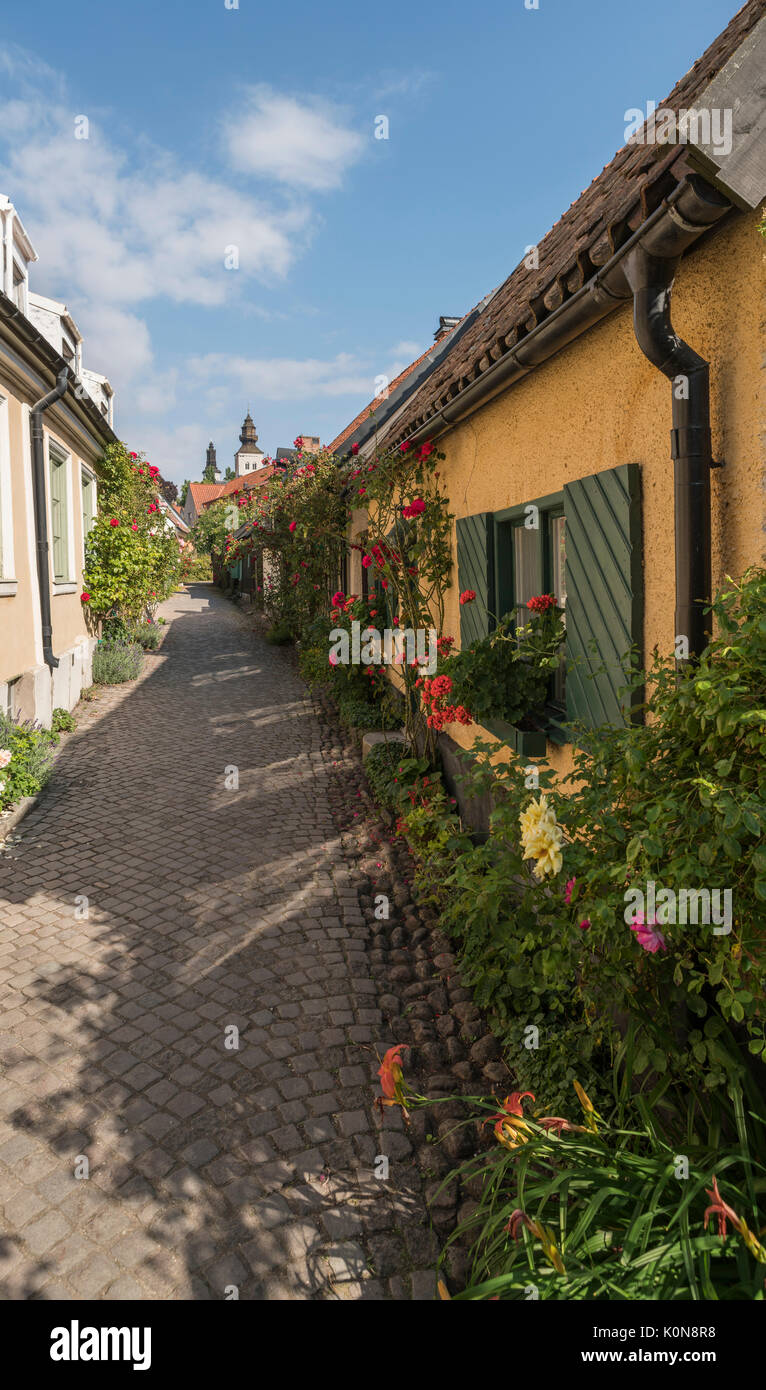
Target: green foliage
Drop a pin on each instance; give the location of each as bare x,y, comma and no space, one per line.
279,635
116,661
131,561
30,762
384,769
364,715
214,525
604,1212
148,635
313,664
300,524
506,674
680,801
62,722
196,569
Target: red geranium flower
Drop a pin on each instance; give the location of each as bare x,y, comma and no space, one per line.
468,596
355,449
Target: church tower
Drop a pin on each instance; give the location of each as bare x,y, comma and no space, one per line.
211,473
249,457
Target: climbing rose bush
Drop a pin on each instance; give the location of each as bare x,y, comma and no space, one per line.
131,561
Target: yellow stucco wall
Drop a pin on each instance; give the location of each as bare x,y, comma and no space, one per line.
20,641
18,621
599,403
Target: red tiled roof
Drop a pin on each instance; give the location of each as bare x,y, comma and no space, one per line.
205,493
588,234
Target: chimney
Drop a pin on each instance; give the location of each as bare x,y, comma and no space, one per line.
446,325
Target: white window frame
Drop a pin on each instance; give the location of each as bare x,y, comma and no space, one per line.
8,582
63,456
85,470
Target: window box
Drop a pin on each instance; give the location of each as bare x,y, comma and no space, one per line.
531,743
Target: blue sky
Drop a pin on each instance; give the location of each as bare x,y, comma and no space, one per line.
254,128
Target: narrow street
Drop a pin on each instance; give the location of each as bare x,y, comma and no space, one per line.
153,914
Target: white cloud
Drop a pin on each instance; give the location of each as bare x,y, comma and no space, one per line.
305,143
122,226
117,339
285,378
407,350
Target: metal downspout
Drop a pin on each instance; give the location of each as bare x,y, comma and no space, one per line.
41,511
651,279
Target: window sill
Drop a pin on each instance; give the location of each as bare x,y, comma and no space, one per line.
65,587
557,729
8,587
532,743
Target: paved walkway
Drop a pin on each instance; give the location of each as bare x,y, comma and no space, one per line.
212,910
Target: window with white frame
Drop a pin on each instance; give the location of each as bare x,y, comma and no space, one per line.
7,575
60,514
88,488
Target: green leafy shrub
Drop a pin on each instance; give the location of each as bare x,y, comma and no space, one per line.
115,662
361,714
196,568
506,674
62,722
148,635
313,664
279,635
597,1212
679,801
27,770
131,561
383,769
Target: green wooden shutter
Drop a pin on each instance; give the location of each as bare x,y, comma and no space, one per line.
604,581
475,570
59,535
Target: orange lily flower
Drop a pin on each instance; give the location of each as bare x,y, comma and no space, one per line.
510,1129
723,1212
540,1232
391,1076
591,1113
556,1124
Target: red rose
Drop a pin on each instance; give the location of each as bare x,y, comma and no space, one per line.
292,526
355,449
114,521
416,507
84,598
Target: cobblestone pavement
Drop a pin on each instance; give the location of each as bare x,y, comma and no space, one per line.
209,909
